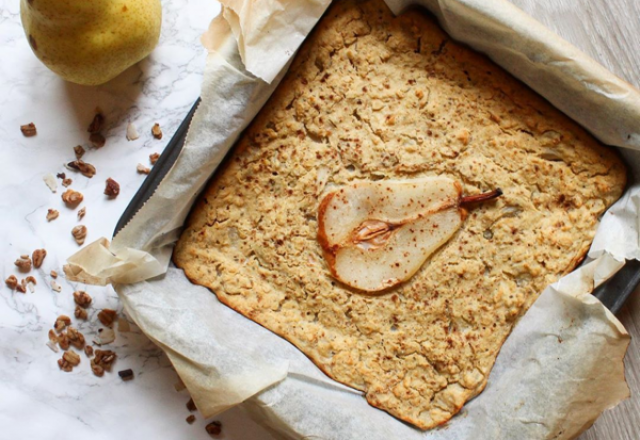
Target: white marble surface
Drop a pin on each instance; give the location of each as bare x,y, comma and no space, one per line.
37,400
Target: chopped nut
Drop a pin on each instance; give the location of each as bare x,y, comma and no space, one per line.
55,286
50,181
62,322
97,140
22,287
53,337
191,419
97,123
142,169
31,282
61,176
153,158
88,350
214,428
75,337
132,133
82,298
126,375
104,358
63,341
11,282
112,188
79,233
53,274
29,129
38,257
106,317
67,182
72,357
97,369
79,151
23,263
81,213
156,132
86,169
52,214
191,406
64,365
80,313
72,198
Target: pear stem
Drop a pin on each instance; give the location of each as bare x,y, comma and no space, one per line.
481,197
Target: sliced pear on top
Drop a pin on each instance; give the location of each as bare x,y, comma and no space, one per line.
378,234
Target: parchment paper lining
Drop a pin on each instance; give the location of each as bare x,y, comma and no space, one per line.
559,369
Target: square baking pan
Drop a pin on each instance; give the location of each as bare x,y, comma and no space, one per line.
613,293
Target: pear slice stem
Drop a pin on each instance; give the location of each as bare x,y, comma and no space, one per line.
481,197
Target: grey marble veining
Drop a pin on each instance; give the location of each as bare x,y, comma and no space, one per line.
37,399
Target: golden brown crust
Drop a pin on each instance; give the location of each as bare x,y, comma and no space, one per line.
370,96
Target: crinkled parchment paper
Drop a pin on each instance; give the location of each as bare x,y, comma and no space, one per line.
559,369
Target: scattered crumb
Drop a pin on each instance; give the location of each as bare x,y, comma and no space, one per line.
79,151
132,133
55,286
53,274
50,180
123,325
86,169
23,263
106,317
191,419
191,406
72,198
126,375
79,234
97,140
105,336
81,213
142,169
67,182
214,428
156,132
53,346
38,257
112,188
29,129
153,158
11,282
61,176
52,214
80,313
97,123
82,298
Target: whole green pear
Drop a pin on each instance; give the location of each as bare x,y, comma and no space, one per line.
91,41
